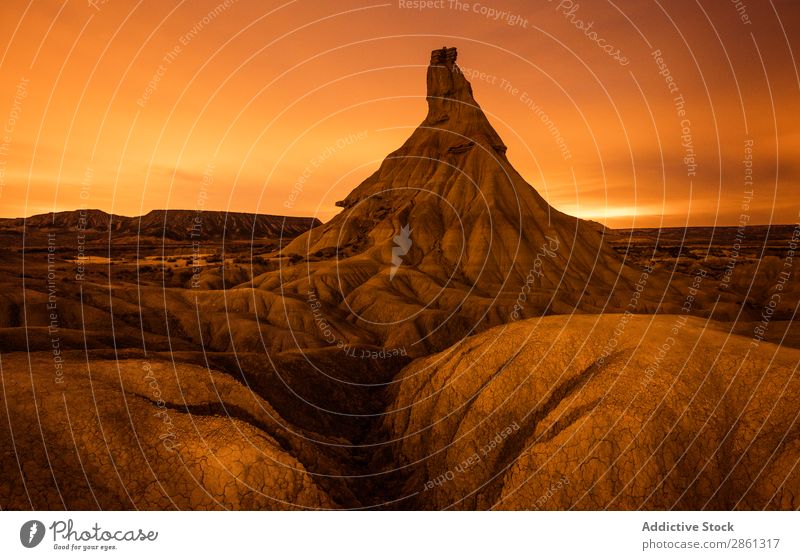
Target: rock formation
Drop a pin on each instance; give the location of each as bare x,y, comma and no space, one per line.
342,370
540,415
143,434
485,247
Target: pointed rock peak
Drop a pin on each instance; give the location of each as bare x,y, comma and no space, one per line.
452,107
445,83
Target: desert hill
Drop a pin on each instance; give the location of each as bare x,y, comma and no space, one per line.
446,238
180,225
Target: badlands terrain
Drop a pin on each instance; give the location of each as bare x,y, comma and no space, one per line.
448,340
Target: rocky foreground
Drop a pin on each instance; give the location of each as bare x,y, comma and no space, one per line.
552,413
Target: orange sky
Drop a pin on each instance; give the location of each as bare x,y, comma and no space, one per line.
252,97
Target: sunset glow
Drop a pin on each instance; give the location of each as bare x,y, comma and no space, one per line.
130,106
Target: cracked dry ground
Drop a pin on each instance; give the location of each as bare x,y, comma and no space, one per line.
522,416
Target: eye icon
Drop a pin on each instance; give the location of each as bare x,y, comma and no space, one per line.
31,533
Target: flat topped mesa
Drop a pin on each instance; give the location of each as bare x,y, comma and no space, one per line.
444,56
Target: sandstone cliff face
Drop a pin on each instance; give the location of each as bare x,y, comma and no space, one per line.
479,235
560,413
